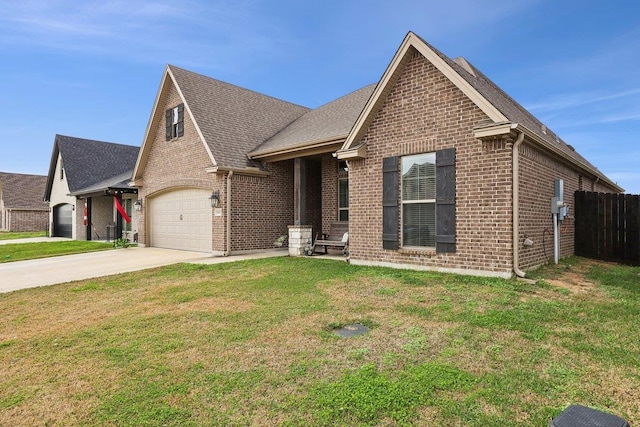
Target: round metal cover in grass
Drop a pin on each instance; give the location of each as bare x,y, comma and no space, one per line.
352,330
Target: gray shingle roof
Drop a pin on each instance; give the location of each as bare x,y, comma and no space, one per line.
233,120
330,121
88,162
22,191
511,109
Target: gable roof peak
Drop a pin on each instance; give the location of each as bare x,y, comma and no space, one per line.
88,161
231,120
182,72
497,105
461,61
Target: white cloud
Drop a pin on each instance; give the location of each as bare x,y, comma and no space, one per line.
572,100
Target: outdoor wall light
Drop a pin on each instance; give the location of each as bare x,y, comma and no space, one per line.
138,205
215,198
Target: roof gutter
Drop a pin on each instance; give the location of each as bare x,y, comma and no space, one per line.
515,183
250,171
319,146
507,127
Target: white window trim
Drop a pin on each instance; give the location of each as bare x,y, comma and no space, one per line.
340,209
410,202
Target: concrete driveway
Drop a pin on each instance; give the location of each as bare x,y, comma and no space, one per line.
62,269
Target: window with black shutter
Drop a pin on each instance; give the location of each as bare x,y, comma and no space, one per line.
174,122
427,201
419,200
446,200
390,198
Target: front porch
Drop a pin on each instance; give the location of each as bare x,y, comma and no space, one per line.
321,198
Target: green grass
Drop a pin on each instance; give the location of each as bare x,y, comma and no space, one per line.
6,235
23,251
253,343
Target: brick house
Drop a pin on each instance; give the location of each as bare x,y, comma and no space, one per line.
208,140
21,204
490,178
85,176
422,165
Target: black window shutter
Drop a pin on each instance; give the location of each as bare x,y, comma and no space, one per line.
446,200
390,196
168,115
180,125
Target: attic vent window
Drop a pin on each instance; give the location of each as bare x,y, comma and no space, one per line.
174,122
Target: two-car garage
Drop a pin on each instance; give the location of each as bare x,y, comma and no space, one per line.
181,219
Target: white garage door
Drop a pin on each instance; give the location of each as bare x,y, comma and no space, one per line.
181,219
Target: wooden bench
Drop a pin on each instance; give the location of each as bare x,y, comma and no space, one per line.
335,239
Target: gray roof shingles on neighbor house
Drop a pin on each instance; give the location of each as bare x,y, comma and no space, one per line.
88,162
22,191
233,120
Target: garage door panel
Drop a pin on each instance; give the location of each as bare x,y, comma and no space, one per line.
181,219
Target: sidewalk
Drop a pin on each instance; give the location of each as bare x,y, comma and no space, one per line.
33,240
67,268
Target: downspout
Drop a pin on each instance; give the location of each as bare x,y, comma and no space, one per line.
515,167
227,252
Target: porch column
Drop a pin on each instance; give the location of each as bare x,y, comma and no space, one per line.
299,191
300,239
88,202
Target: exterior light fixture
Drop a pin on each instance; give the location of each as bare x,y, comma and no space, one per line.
138,205
215,198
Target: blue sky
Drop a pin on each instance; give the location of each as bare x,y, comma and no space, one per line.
92,69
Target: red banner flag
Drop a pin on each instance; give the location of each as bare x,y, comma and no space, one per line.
121,210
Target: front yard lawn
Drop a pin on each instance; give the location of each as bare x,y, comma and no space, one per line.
254,343
24,251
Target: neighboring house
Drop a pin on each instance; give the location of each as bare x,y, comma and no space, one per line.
422,166
85,177
21,204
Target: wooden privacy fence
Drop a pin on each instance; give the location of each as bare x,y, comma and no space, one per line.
608,226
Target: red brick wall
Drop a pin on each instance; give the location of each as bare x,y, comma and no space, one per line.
538,171
425,112
23,221
174,164
261,207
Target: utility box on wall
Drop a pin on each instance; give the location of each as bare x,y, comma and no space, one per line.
558,206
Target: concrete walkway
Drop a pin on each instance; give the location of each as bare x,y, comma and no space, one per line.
33,240
67,268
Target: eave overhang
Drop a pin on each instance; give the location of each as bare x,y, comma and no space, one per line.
238,171
510,129
353,153
301,150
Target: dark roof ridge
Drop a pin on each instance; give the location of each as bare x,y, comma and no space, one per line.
75,138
